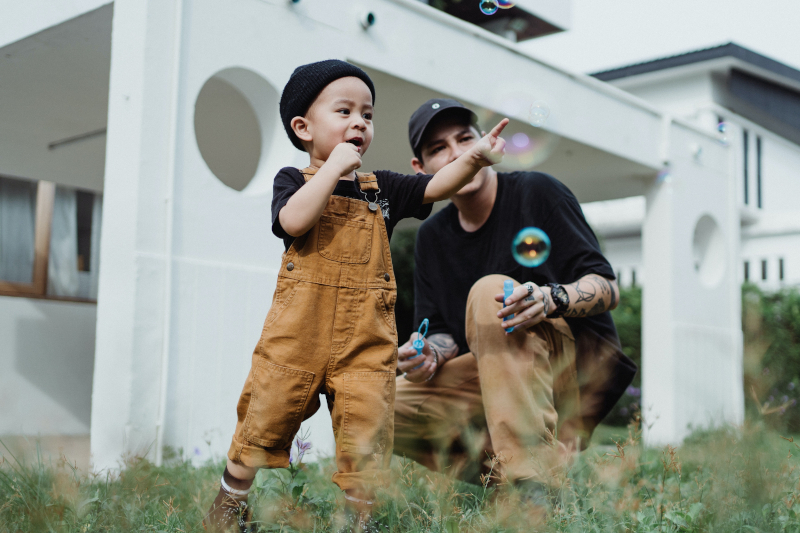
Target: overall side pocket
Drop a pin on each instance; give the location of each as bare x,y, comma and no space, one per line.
277,403
368,412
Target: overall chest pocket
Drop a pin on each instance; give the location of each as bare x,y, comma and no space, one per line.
344,241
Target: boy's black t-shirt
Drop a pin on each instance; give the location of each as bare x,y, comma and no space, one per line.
450,260
400,197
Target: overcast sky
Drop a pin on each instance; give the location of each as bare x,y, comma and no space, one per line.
611,33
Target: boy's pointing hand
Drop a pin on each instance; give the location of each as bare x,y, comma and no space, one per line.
490,149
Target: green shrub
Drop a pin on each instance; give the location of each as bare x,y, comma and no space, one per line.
771,325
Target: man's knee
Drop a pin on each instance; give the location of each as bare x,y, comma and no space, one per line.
486,288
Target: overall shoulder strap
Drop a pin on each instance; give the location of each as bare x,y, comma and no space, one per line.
308,172
367,181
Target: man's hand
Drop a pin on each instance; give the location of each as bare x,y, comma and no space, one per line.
344,159
406,364
529,304
490,149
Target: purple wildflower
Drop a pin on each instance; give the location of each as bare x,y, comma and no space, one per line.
794,402
785,399
302,447
633,391
771,398
197,451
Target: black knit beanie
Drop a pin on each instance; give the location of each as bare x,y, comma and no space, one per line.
306,82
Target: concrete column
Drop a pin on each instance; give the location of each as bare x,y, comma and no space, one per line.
692,339
130,314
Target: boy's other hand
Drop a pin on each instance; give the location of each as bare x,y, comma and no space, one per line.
344,158
490,149
406,364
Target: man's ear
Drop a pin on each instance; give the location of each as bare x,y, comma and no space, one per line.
416,164
300,126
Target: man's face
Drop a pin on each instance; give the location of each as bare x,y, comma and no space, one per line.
445,140
342,112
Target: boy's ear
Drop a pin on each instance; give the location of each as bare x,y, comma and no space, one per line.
416,164
300,126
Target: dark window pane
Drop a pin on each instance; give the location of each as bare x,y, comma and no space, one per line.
633,277
764,269
746,151
758,171
780,269
85,205
747,271
17,229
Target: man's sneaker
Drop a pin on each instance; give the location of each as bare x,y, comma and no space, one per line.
228,515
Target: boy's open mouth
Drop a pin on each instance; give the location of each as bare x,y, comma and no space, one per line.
356,141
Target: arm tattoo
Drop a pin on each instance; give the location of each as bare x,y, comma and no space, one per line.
445,343
599,307
586,291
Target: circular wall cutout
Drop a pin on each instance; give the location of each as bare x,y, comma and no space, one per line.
708,251
230,115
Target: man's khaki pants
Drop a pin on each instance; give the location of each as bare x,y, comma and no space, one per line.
503,400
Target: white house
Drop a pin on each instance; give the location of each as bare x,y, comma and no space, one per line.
753,104
153,124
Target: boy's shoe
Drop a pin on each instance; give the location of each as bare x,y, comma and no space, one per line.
228,515
358,519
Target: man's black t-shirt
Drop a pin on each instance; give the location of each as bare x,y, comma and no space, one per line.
450,260
400,197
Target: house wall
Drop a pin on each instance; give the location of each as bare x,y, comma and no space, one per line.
46,365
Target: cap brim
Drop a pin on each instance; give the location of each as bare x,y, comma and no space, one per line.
473,120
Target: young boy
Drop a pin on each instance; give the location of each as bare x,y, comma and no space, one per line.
331,325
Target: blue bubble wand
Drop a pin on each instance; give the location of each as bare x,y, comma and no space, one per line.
418,343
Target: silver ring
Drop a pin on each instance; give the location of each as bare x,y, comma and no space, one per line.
529,286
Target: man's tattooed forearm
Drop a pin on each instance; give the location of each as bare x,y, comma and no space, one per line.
445,344
600,307
586,291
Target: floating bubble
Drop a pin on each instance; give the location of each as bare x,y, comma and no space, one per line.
526,150
531,247
538,114
663,175
505,4
488,7
722,130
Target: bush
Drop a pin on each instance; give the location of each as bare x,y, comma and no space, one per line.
771,325
628,319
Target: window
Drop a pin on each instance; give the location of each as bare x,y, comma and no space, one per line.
633,277
764,270
49,237
619,278
747,270
780,269
758,172
746,152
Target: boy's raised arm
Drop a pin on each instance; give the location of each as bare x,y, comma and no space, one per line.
306,205
453,176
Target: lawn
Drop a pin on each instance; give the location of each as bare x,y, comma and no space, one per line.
727,480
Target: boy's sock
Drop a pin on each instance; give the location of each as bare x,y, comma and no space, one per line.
358,515
230,512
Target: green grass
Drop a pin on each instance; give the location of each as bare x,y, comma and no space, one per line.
726,480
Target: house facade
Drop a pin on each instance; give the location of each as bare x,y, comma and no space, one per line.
752,103
138,141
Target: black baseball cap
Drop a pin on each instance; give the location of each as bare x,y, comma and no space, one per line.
419,121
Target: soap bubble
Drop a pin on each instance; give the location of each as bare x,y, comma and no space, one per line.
663,175
505,4
722,130
525,150
531,247
538,114
488,7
